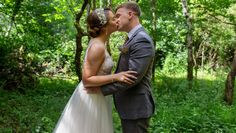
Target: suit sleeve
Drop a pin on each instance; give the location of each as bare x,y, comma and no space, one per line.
141,55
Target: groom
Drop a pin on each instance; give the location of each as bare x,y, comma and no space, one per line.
134,103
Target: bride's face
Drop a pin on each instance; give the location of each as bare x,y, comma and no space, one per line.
112,24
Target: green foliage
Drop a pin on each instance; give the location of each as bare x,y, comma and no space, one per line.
48,48
18,70
175,63
57,61
213,29
46,30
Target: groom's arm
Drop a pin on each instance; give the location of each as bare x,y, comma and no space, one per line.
141,55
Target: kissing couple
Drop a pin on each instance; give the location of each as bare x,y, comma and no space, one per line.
89,109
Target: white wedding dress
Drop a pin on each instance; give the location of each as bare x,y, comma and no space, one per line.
88,113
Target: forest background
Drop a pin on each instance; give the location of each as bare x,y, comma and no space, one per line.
42,45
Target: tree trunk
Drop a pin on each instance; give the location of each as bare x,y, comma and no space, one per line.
16,9
79,36
229,84
89,6
105,3
189,42
203,57
94,5
154,28
100,3
79,50
110,3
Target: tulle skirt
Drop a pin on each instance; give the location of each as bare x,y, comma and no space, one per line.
86,113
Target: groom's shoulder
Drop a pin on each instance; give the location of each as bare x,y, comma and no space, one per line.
143,35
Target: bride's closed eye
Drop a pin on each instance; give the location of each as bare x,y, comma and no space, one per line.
117,15
113,18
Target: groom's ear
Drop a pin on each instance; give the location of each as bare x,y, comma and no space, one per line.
130,13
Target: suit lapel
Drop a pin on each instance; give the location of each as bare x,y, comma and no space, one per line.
127,42
135,33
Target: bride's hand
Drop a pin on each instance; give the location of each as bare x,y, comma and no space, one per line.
126,77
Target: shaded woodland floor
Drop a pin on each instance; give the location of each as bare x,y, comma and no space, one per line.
178,109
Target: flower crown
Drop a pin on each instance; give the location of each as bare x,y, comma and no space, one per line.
101,16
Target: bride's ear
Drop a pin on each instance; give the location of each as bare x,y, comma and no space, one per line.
105,30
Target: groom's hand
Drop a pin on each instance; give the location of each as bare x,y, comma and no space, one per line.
93,90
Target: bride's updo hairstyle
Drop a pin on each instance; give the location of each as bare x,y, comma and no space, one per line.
97,20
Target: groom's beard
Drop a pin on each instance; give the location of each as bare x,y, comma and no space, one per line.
124,28
121,29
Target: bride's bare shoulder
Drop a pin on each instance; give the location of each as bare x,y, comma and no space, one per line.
96,47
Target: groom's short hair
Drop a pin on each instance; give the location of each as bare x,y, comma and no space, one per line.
131,6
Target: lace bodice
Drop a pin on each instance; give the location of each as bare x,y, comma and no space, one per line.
107,64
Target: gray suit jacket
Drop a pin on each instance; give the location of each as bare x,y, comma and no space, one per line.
134,101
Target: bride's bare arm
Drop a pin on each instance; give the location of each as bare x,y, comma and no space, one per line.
93,61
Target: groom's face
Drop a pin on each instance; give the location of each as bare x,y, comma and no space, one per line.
123,18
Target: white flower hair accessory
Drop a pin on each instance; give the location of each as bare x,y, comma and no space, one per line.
101,15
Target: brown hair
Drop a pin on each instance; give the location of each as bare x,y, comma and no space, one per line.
94,22
132,6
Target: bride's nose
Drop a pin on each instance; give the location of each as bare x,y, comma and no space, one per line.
117,22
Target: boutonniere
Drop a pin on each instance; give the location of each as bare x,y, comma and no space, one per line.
124,49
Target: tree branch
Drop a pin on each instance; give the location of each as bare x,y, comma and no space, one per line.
213,14
225,22
79,15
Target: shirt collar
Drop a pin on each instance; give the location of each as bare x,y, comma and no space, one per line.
130,34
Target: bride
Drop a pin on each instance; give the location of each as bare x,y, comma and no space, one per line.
92,113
